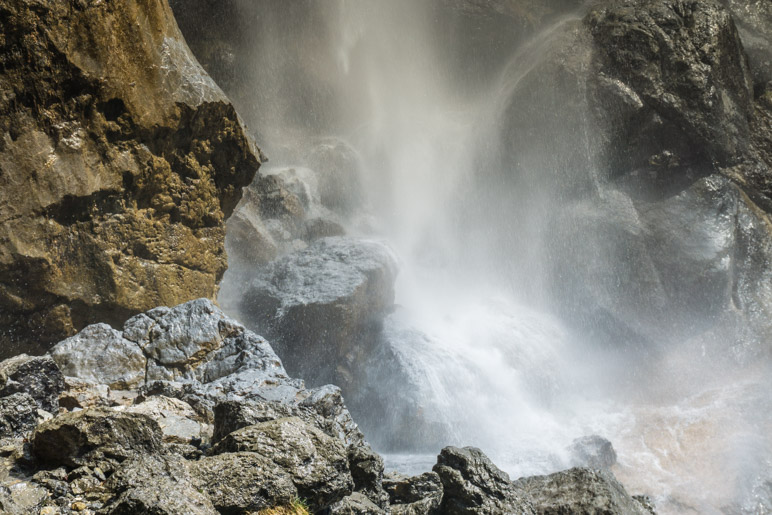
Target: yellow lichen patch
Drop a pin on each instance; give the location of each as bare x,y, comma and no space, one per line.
296,507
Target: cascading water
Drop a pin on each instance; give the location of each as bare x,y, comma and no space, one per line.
494,223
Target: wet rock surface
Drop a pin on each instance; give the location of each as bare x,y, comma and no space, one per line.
187,445
38,377
580,491
593,452
323,301
471,483
113,196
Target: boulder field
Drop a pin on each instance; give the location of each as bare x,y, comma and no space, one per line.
191,413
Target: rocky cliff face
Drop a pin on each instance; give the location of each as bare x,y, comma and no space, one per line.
120,160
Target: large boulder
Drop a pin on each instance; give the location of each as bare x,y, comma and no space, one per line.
592,451
158,485
323,302
37,376
101,355
672,77
81,437
316,463
18,415
472,484
580,491
244,482
113,197
419,495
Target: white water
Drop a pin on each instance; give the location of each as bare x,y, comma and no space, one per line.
495,366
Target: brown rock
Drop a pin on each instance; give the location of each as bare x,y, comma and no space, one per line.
120,159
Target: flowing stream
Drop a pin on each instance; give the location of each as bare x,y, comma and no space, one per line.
496,361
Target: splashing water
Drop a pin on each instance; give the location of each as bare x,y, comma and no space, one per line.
490,359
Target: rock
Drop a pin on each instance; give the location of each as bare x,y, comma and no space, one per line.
322,301
21,498
243,482
101,355
367,472
356,504
685,65
18,415
317,228
37,376
176,418
472,484
754,23
155,484
316,462
81,437
592,452
322,407
580,491
196,340
84,394
419,495
339,173
113,198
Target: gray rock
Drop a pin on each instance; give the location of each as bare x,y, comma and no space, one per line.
316,462
367,472
37,376
81,437
472,484
356,504
685,63
21,498
197,341
418,495
84,394
593,452
339,173
101,355
18,415
158,485
322,301
754,22
580,491
178,421
243,482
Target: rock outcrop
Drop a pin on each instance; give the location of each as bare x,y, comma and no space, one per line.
153,449
120,160
323,302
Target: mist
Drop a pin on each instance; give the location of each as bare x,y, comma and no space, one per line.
545,291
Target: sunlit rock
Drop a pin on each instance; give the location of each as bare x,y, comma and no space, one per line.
99,354
38,377
580,491
418,495
121,160
316,462
473,484
318,305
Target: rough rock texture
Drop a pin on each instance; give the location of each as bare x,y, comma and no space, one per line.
38,377
323,301
178,421
243,482
158,485
754,22
593,452
356,504
580,491
419,495
473,485
316,462
80,437
367,471
18,415
674,74
101,355
119,161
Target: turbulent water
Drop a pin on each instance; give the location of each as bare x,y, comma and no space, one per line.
498,362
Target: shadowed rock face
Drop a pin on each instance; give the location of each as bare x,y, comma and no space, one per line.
120,160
